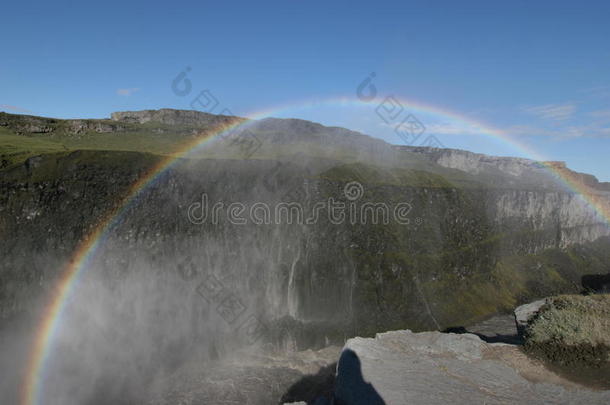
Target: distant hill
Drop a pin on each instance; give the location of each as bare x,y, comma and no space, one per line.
170,131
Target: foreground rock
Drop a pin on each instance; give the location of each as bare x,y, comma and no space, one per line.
402,367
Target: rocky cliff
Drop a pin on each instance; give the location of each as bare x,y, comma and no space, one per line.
169,116
479,164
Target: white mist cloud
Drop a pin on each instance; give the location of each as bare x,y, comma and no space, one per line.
555,112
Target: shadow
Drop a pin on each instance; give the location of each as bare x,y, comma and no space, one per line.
314,389
508,339
350,387
345,387
595,283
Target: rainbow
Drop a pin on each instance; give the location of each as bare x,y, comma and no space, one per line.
32,386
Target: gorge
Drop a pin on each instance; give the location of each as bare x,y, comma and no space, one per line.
158,290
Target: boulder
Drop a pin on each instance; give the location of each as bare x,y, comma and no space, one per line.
525,312
402,367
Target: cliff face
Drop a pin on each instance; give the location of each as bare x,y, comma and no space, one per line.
28,125
476,163
479,164
536,196
471,219
314,281
169,116
572,218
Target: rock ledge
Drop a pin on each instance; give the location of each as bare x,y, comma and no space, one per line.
403,367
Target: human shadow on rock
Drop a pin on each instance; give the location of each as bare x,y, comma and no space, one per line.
346,387
350,387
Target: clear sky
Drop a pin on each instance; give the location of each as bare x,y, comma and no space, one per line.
536,71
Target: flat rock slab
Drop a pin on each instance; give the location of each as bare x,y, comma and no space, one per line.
402,367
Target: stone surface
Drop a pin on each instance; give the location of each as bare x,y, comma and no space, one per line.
525,312
168,116
402,367
477,163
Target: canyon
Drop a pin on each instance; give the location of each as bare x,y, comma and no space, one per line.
482,235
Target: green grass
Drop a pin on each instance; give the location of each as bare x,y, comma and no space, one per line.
14,149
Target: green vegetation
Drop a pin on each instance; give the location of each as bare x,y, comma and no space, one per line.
572,320
15,149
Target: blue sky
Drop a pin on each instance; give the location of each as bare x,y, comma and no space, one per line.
537,72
